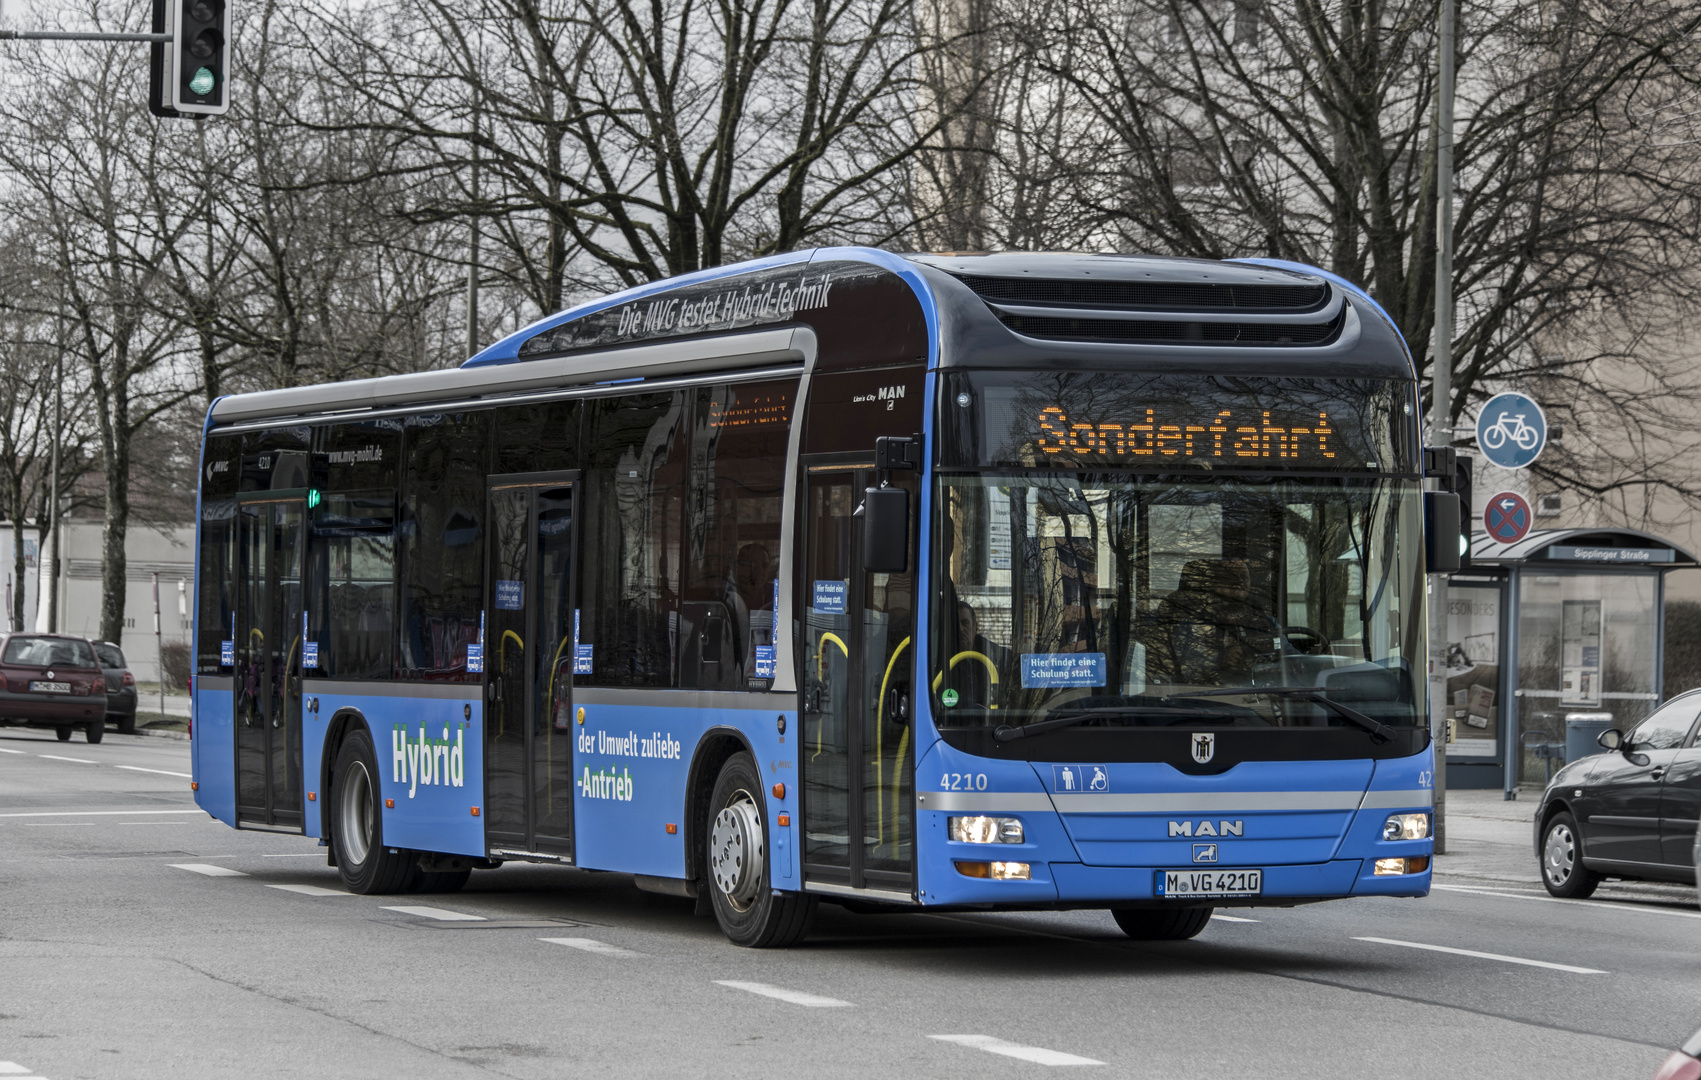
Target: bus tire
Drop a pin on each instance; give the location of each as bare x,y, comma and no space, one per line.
1161,924
735,862
367,867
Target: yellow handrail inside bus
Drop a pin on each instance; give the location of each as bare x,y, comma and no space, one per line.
501,666
991,669
821,674
879,725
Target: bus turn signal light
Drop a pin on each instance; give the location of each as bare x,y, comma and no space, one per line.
997,871
194,785
389,804
785,820
672,828
779,791
475,811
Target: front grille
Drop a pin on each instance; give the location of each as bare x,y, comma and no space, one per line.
1155,332
1151,295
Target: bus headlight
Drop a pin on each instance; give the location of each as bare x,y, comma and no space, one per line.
1406,827
984,830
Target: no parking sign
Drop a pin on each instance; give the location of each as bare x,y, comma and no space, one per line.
1507,518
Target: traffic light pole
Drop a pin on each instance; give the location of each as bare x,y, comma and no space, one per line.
54,35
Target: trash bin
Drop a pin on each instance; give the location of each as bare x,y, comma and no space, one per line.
1582,730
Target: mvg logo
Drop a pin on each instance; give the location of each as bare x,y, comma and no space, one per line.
1205,828
427,761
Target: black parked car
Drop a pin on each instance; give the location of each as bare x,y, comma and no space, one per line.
52,680
120,687
1630,812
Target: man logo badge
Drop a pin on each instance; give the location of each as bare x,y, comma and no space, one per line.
1204,746
1204,853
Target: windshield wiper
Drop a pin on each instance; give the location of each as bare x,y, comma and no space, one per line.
1007,732
1378,730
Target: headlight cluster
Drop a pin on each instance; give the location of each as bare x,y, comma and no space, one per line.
1406,827
985,830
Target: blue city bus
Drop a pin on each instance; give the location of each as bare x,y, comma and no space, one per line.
929,582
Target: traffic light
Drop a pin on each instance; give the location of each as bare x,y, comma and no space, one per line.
159,68
197,60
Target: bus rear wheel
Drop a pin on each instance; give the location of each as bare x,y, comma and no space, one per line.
735,861
357,825
1161,924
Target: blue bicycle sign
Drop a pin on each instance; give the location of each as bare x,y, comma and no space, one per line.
1511,431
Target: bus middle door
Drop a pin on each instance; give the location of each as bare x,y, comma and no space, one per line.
271,555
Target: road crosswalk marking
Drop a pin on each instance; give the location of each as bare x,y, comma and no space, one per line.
1039,1055
1483,955
440,914
309,890
779,993
206,868
591,945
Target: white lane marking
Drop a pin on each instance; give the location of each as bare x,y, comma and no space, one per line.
152,823
1229,918
780,993
78,760
1646,909
440,914
309,890
296,855
1039,1055
99,813
592,945
3,750
12,1068
206,868
162,772
1483,955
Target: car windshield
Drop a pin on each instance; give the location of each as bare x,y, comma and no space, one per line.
48,652
1141,600
109,655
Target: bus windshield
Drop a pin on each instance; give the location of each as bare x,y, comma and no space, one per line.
1138,601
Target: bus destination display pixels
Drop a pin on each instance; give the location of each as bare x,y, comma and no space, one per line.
1224,435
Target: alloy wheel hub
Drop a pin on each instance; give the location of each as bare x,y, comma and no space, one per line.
736,854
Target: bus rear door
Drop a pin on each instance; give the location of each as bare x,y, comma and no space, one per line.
271,546
529,648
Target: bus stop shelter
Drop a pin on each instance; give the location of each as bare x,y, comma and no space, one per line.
1551,640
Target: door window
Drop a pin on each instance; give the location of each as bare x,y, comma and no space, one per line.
1666,729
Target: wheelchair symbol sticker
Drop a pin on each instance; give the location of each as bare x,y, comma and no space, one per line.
1090,779
1511,431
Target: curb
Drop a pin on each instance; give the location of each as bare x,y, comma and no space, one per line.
180,736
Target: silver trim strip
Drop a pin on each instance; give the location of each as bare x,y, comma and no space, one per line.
530,856
215,683
678,357
683,699
785,671
1389,800
1207,802
831,889
378,688
985,802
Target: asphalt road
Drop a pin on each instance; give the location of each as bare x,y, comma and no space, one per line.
138,938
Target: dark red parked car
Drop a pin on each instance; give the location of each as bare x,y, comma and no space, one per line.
52,680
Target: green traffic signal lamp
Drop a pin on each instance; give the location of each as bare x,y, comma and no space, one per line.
312,498
202,82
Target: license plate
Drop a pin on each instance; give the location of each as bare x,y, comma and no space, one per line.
40,687
1209,884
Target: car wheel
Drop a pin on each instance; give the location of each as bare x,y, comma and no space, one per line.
127,724
64,734
749,911
1161,924
95,730
1563,871
367,867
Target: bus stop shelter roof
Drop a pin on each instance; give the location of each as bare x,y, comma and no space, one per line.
1576,548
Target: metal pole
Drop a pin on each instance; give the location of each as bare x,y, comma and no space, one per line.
49,35
472,244
159,646
1441,399
53,487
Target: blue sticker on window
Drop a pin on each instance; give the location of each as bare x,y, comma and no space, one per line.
310,654
830,597
1092,779
1063,669
767,661
582,659
227,653
475,658
510,595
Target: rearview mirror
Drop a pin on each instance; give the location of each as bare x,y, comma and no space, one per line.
885,530
1611,739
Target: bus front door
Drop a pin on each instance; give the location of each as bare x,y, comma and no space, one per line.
857,757
529,648
271,545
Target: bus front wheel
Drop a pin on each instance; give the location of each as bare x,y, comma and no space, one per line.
366,865
1161,924
735,865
